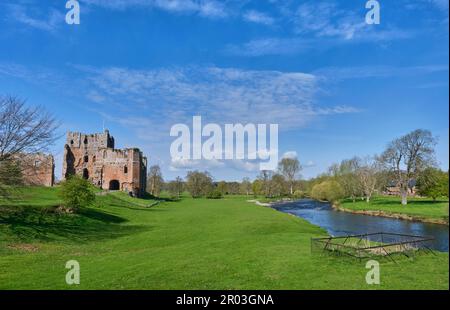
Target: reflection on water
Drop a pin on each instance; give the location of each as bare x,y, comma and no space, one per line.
342,223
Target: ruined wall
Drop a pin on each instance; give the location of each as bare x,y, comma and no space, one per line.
94,158
38,169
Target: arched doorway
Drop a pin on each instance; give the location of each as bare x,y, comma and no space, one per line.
114,185
85,173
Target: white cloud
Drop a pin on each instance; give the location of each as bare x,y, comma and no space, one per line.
202,164
47,21
258,17
290,154
206,8
301,44
185,164
340,73
220,95
309,164
270,46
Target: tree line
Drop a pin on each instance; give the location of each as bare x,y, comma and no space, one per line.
407,164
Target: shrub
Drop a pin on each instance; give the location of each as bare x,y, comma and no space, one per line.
327,190
77,192
299,194
214,194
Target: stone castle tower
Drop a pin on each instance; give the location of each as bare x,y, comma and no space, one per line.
94,157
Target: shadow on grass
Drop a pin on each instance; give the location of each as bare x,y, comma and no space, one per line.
165,199
33,224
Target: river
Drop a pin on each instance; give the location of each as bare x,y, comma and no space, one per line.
338,223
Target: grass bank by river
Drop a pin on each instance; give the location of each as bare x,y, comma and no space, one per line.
417,209
188,244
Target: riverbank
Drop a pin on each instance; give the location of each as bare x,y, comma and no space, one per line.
418,209
187,244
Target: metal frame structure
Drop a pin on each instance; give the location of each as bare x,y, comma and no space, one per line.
380,244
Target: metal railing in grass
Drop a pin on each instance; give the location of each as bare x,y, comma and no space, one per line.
380,244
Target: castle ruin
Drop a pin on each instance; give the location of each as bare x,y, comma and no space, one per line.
94,157
38,169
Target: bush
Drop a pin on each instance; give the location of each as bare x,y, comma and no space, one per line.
433,183
299,194
328,190
77,192
215,194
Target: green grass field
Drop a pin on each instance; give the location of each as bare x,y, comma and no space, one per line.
416,207
188,244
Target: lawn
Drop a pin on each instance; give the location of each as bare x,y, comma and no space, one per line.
229,243
418,208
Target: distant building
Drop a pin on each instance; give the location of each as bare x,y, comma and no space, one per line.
94,157
37,169
393,189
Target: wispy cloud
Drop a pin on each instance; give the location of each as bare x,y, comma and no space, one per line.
220,94
47,20
258,17
341,73
270,46
300,44
440,4
326,19
206,8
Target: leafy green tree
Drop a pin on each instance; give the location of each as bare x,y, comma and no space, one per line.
328,190
222,187
257,186
278,185
10,173
76,192
10,176
198,183
433,183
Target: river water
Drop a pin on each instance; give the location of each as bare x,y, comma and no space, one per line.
342,223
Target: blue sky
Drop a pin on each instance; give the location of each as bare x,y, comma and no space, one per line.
337,86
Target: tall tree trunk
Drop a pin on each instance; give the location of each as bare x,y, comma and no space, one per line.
404,197
292,189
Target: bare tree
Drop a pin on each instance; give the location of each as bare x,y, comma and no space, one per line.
155,180
367,173
24,129
289,168
176,187
265,176
246,186
407,156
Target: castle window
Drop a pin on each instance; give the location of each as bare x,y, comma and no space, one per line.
86,159
85,140
125,169
93,159
71,142
37,163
